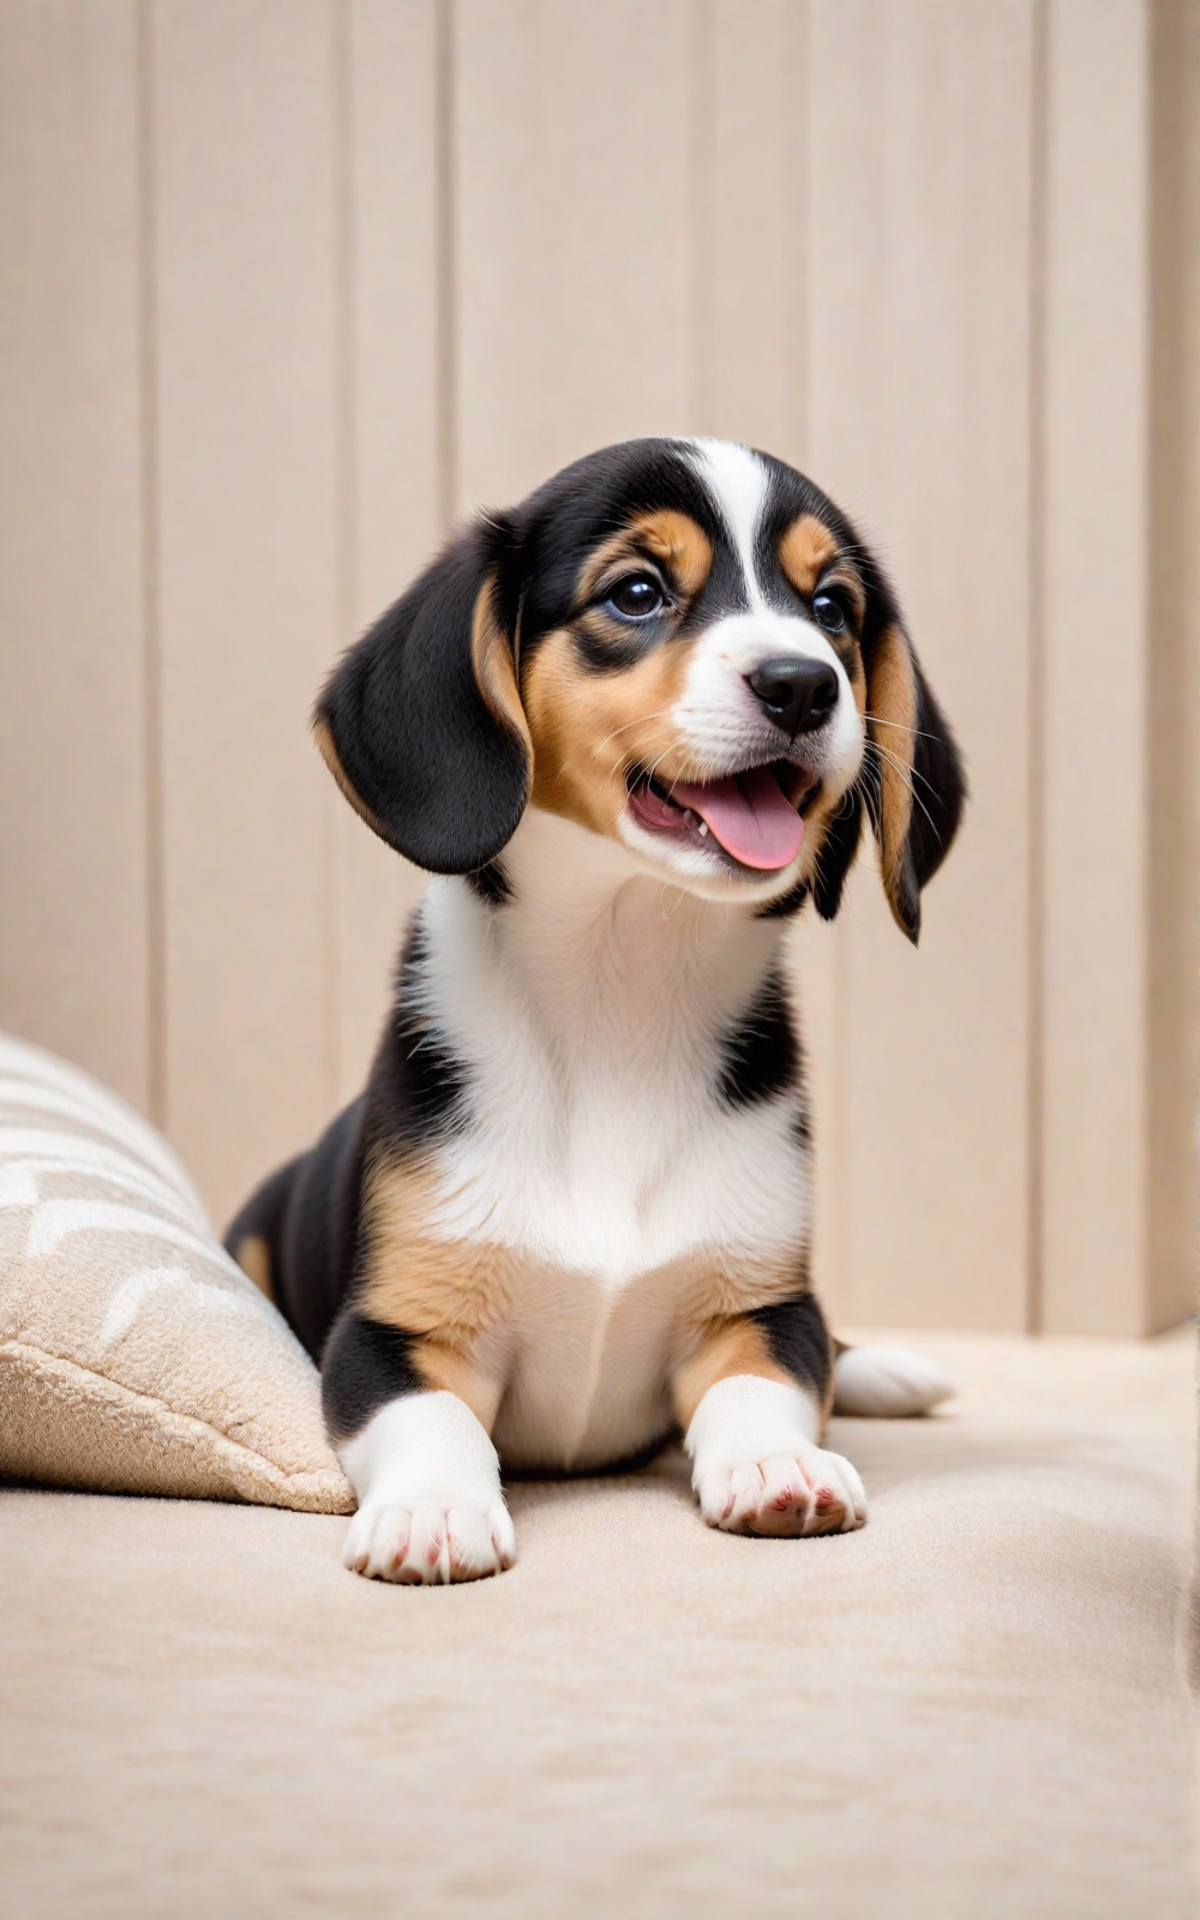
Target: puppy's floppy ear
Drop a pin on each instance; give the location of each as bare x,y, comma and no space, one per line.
421,722
913,781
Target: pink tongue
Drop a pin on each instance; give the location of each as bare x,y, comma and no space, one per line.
749,816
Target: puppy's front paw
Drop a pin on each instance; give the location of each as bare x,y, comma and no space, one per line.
423,1545
809,1491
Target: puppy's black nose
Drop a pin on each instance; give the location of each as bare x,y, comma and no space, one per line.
798,694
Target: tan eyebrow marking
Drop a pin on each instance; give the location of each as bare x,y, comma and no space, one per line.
807,552
673,538
806,548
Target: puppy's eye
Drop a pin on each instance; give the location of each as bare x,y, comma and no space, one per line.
636,596
829,613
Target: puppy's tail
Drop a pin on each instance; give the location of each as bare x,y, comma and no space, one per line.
253,1238
887,1383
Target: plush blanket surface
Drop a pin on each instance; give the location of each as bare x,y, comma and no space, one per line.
973,1708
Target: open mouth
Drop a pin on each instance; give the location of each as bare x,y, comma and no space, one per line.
753,818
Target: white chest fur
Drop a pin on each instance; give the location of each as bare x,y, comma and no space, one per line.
590,1012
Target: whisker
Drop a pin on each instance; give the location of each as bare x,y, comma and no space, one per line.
913,772
879,720
656,715
640,720
906,775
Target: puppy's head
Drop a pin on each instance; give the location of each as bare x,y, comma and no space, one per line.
680,645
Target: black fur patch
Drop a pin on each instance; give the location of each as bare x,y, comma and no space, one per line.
615,653
442,779
799,1340
418,1084
365,1364
786,905
490,884
761,1055
939,793
307,1213
837,854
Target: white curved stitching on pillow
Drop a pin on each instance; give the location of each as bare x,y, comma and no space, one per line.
53,1220
126,1303
148,1189
25,1093
25,1062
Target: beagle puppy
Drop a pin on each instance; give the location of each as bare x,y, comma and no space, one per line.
630,728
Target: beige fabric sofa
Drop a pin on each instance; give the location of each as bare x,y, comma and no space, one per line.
974,1708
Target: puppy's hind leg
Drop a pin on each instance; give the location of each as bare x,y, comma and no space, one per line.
887,1383
430,1505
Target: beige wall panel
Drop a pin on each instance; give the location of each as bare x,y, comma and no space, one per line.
751,301
244,103
1097,499
1095,599
73,786
392,437
574,260
919,249
1174,562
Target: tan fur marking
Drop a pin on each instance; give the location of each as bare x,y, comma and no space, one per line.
811,558
449,1367
726,1347
805,550
588,727
417,1281
452,1294
722,1288
494,667
457,1288
329,754
891,718
254,1258
674,539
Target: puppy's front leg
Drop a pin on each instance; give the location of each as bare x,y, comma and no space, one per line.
418,1455
752,1397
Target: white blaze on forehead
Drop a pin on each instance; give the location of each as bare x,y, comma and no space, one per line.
737,481
722,726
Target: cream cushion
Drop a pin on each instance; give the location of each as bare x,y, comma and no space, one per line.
135,1356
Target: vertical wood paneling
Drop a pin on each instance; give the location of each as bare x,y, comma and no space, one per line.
392,527
244,109
574,261
754,388
1171,665
920,179
73,856
1118,869
1095,542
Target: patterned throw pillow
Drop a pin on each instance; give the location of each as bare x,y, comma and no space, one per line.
135,1357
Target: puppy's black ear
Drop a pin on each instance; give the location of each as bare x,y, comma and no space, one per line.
422,724
913,780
